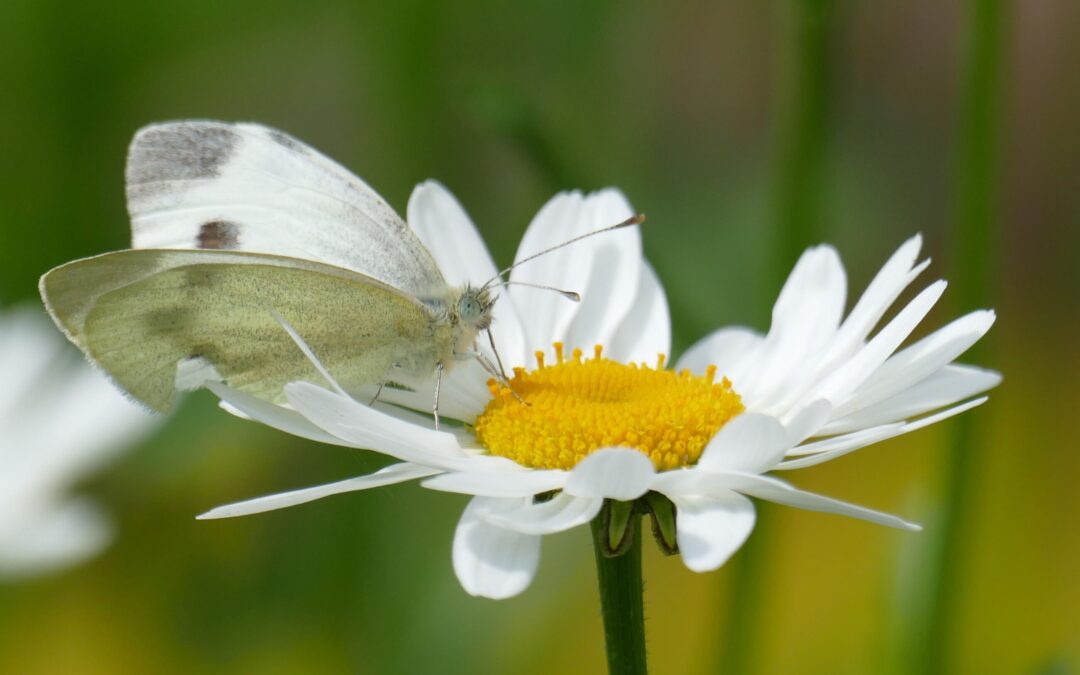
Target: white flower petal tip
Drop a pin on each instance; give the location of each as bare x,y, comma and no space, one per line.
711,529
446,230
612,473
724,348
395,473
775,490
605,270
491,561
646,330
829,449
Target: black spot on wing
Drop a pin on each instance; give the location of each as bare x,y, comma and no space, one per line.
218,234
286,141
180,151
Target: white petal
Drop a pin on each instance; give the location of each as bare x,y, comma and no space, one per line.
805,320
395,473
604,269
491,561
29,348
613,473
56,537
946,386
561,512
857,439
711,529
275,416
832,448
838,387
646,330
773,490
751,442
725,349
365,427
890,281
70,424
519,483
914,364
449,234
812,299
807,421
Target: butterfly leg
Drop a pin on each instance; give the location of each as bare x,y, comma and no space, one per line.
498,359
438,384
499,375
382,383
491,369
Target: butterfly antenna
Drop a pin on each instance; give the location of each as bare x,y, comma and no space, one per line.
569,295
632,220
308,352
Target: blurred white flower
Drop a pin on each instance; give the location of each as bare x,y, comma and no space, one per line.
616,425
59,421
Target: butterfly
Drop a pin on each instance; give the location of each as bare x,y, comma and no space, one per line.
250,248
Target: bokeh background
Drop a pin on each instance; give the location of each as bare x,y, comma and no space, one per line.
745,131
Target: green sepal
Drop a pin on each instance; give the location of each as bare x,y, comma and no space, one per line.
618,531
662,513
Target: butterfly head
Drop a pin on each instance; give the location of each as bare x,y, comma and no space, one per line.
474,307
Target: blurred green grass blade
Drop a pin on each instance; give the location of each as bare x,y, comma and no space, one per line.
797,222
802,133
973,256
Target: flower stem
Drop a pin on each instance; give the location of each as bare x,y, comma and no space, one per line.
619,578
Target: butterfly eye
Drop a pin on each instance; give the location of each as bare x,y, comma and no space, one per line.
467,307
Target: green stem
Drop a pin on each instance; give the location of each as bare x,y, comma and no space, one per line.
974,253
621,600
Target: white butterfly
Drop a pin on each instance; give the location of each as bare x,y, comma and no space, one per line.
246,240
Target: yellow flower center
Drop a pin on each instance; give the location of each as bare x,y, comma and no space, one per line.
578,406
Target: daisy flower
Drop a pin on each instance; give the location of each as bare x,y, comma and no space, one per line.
59,421
608,429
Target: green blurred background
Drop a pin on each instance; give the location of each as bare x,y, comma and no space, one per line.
745,131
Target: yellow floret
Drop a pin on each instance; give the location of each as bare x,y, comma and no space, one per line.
577,406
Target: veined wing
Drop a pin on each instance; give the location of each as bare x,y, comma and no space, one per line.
216,185
139,313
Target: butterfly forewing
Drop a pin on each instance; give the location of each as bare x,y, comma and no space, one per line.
246,187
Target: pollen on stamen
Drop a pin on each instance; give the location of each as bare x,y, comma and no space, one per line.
710,373
577,406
